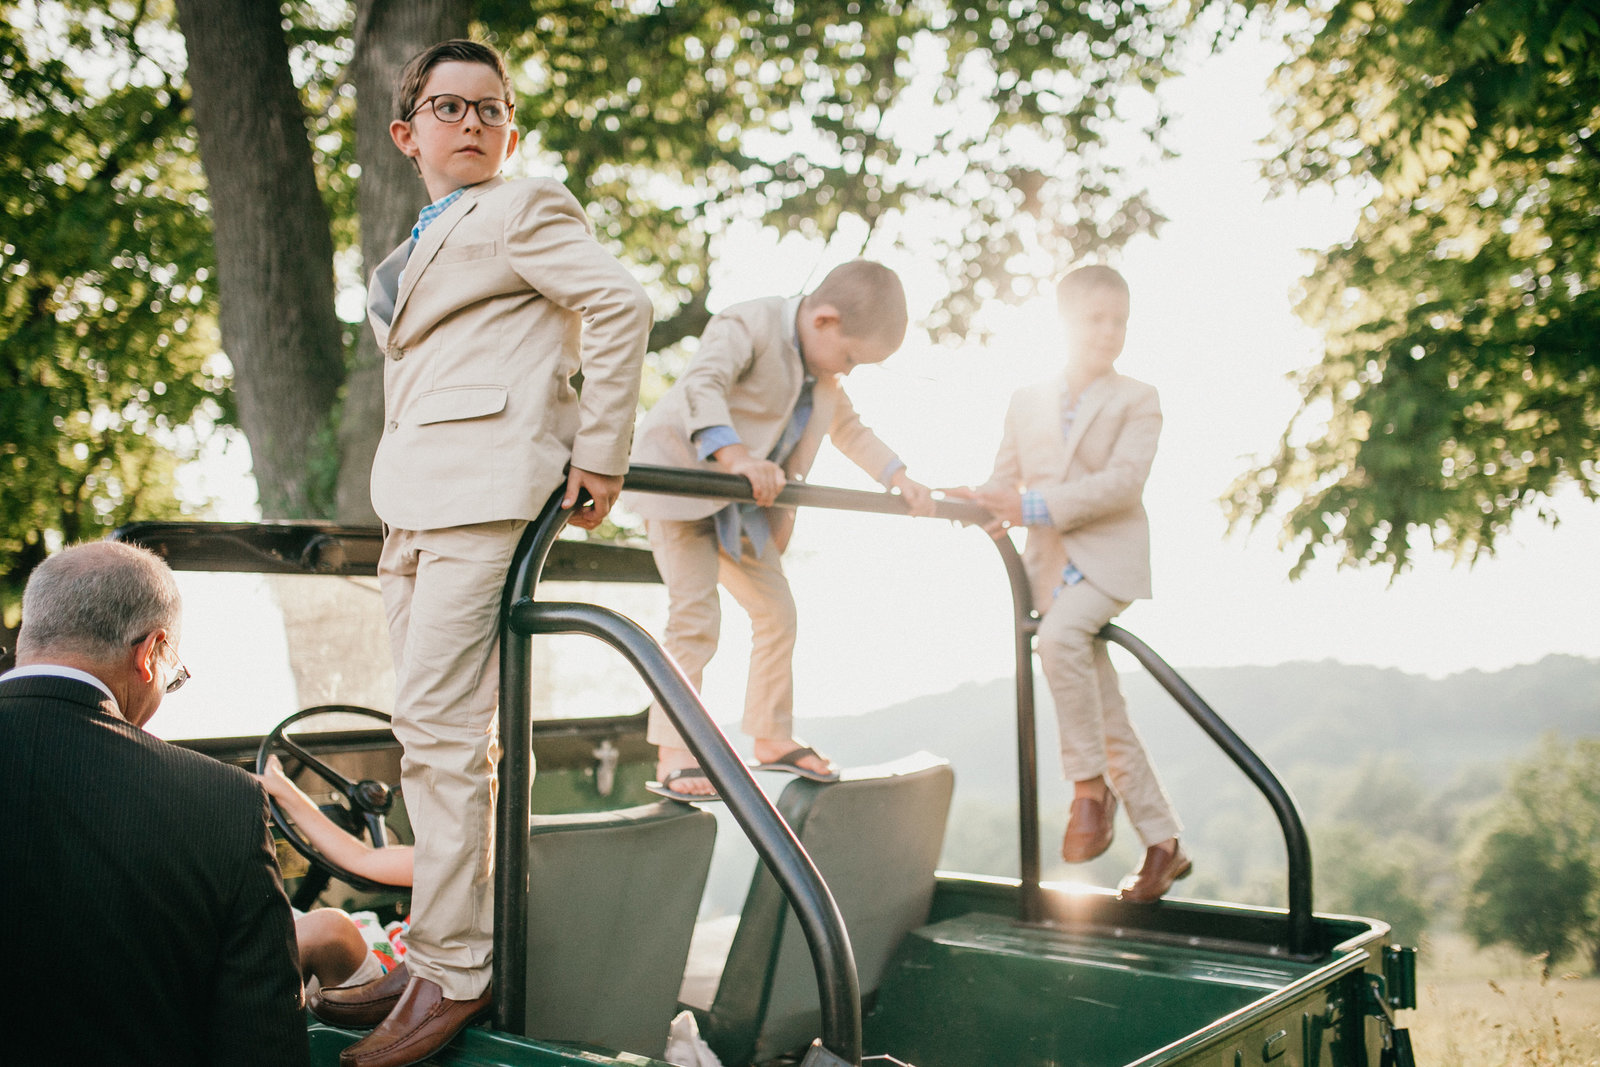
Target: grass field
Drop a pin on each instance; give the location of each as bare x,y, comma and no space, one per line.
1491,1009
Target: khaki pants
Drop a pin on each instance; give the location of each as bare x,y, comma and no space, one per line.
1096,735
441,591
692,565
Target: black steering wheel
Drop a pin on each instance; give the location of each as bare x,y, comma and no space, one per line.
369,801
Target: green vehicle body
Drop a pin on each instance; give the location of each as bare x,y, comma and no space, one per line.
1003,971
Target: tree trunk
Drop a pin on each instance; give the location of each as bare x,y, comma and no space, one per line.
274,248
389,197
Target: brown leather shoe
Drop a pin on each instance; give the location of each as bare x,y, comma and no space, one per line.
422,1022
1091,824
1156,875
364,1005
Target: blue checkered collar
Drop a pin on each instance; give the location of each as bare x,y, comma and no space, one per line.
426,216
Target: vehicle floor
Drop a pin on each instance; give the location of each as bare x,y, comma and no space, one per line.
981,988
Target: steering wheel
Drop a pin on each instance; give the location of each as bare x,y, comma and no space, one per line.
369,801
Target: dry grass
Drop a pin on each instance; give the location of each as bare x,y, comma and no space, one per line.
1491,1009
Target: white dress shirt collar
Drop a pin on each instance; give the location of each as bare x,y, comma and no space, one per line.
55,670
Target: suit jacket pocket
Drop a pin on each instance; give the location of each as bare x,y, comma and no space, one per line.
459,402
462,253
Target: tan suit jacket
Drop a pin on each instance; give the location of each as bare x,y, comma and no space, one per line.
1092,482
505,296
747,374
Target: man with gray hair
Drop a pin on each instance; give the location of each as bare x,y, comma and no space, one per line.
146,918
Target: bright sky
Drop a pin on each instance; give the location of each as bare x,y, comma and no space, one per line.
891,609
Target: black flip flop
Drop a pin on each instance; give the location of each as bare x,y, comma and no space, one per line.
664,788
789,763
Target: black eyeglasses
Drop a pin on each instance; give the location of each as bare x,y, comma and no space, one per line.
448,107
180,676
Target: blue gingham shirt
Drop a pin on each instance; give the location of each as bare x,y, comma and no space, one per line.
425,219
426,216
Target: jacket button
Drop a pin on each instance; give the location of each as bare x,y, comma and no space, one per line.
397,353
394,424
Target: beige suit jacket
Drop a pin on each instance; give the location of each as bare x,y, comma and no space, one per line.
747,374
1092,482
505,296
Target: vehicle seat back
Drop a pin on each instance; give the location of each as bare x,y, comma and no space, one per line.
612,900
875,836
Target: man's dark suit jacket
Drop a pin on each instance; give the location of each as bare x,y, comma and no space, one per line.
144,918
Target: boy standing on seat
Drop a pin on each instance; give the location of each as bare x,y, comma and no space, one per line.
500,296
763,390
1071,468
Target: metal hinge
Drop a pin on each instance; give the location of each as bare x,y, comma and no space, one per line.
1400,973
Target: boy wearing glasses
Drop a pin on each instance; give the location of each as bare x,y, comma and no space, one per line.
498,298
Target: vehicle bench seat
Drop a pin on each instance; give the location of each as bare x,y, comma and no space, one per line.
875,836
612,899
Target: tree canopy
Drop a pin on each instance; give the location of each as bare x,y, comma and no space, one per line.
1460,383
1537,885
107,328
966,133
148,300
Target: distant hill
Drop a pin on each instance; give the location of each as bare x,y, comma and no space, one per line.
1367,743
1294,714
1380,747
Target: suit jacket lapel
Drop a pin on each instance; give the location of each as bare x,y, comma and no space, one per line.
1089,405
824,402
427,247
1048,442
432,240
822,397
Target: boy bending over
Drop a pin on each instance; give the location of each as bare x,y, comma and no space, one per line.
759,396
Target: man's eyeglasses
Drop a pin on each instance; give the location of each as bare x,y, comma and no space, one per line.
179,676
450,108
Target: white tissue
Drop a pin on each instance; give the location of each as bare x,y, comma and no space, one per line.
685,1048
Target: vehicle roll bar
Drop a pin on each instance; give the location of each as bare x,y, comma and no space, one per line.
677,481
838,985
1295,841
682,482
818,913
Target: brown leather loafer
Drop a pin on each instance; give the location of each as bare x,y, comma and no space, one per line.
1156,875
367,1004
422,1022
1091,824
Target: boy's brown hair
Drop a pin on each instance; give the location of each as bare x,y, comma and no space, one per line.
415,74
1076,283
869,298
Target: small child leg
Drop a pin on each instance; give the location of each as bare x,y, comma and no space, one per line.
331,946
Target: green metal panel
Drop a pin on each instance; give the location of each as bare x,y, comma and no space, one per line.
479,1047
1314,1021
980,989
565,790
569,768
